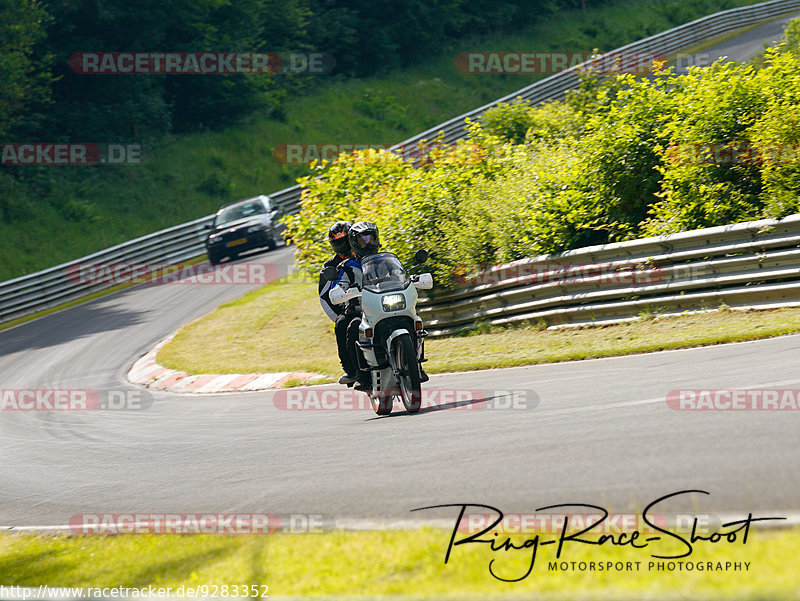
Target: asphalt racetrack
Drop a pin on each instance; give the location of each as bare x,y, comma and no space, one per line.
597,432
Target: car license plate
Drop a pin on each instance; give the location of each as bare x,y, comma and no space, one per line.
236,242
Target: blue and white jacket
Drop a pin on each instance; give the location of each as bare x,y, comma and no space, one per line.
350,274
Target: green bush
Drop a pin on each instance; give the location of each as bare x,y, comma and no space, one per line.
777,131
716,107
621,157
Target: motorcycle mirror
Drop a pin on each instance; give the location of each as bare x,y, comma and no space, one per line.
330,273
420,256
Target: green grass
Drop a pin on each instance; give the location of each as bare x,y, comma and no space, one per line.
131,200
280,326
388,562
250,334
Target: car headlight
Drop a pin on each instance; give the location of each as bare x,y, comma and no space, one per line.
215,239
256,228
393,302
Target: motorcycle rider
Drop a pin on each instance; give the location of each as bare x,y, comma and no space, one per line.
341,315
364,241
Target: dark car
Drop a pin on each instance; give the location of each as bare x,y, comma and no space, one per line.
241,226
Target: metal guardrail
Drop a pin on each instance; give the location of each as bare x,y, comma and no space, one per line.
751,264
58,284
52,286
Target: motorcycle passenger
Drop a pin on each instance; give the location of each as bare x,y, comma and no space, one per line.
341,315
364,241
340,245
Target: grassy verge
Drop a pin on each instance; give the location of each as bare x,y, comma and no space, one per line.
391,562
281,328
189,176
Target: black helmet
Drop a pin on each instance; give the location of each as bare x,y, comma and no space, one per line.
364,238
337,237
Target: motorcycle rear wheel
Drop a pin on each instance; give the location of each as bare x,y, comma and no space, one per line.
382,405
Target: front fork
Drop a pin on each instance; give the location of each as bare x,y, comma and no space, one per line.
376,374
395,369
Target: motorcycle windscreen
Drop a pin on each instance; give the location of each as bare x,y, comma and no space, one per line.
383,272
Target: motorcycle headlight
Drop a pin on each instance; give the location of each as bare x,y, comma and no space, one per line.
393,302
256,228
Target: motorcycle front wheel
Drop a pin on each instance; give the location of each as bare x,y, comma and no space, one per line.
406,362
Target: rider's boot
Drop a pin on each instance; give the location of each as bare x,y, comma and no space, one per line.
347,379
423,377
364,381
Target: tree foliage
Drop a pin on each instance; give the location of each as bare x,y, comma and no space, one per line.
24,78
37,38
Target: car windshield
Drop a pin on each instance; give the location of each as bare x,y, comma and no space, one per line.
383,272
240,211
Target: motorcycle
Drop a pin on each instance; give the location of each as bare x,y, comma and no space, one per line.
391,334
